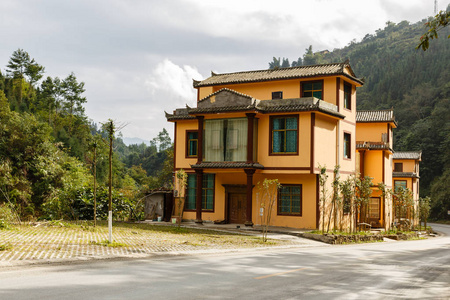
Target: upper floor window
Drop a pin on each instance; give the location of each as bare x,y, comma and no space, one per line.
347,96
225,140
284,134
398,167
207,192
277,95
191,143
312,89
347,145
290,200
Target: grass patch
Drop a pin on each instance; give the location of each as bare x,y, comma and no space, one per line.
5,247
106,243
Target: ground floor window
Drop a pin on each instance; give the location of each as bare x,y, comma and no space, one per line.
207,192
290,200
399,184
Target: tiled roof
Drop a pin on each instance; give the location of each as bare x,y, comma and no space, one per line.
279,74
179,114
227,165
279,105
367,116
417,155
405,175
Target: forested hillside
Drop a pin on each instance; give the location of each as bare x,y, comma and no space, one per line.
415,83
47,147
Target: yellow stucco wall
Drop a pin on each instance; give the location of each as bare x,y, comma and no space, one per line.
409,165
263,90
224,177
180,141
325,142
304,136
370,132
373,161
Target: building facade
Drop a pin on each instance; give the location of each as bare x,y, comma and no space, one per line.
283,124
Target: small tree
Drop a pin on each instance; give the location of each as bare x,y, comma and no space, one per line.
181,178
424,210
348,194
268,192
323,192
362,195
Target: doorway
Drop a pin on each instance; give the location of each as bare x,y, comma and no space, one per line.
238,208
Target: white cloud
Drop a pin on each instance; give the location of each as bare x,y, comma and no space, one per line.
173,82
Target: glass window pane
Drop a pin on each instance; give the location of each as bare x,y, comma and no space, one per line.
278,123
291,123
307,94
317,85
317,94
307,86
291,141
278,141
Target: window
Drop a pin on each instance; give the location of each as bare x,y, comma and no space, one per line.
277,95
226,140
398,167
347,145
312,89
399,184
207,192
284,135
347,96
290,200
191,143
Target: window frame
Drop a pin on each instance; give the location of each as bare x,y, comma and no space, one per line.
271,118
398,164
203,192
348,102
349,134
402,180
279,93
188,144
302,88
295,214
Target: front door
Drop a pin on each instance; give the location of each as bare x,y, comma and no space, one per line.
238,208
375,212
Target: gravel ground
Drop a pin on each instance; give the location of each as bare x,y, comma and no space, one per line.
60,241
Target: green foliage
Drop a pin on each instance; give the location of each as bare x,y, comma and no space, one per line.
414,83
46,153
440,197
434,25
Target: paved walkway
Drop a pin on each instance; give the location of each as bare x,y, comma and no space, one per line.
36,245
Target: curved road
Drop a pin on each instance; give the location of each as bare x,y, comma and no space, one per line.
405,270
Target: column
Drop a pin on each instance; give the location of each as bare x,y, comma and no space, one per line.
200,140
198,198
249,172
250,125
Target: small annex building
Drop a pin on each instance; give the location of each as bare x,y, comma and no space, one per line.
278,124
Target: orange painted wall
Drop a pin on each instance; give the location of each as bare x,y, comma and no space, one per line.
325,142
304,136
370,132
263,90
307,220
181,127
372,165
408,164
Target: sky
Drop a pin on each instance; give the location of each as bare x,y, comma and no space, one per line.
138,58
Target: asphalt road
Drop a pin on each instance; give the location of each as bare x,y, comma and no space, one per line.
405,270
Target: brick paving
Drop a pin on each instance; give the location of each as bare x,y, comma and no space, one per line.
43,244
